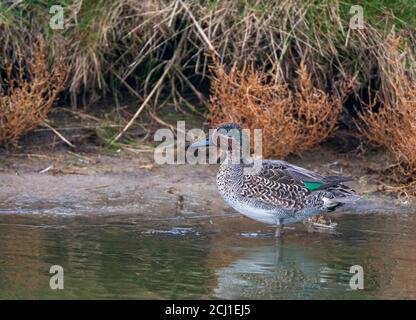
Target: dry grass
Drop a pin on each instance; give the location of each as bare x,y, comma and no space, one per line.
27,93
316,111
391,119
247,97
291,121
128,44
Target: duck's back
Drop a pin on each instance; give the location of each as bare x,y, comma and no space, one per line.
282,190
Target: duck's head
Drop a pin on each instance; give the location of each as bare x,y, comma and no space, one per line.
226,136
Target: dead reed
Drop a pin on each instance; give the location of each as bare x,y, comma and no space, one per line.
292,121
27,92
390,119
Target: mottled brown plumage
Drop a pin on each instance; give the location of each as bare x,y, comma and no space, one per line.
279,192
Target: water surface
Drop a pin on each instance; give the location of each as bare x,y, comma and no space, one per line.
129,256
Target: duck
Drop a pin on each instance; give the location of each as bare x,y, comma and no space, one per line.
277,192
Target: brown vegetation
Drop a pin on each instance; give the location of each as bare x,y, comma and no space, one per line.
27,93
292,121
393,123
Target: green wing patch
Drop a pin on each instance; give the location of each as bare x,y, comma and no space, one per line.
312,185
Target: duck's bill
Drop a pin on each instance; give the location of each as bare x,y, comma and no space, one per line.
201,143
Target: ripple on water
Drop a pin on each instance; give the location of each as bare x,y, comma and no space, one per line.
175,231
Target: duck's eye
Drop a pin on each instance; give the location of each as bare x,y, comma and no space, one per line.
232,133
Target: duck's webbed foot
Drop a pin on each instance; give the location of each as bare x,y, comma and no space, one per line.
319,223
321,219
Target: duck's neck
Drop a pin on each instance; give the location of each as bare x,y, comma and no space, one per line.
233,159
235,167
231,168
229,177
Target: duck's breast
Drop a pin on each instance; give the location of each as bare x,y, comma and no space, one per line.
264,215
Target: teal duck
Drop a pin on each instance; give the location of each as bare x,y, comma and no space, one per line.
278,193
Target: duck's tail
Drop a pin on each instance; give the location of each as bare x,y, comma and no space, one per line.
338,195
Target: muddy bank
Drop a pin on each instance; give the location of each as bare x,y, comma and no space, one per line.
67,183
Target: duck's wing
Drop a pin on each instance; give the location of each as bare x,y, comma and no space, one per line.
279,191
286,185
281,170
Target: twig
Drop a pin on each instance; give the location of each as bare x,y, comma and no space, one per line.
199,28
154,90
81,127
58,134
46,169
97,187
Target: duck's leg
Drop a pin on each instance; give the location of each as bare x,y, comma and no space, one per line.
279,229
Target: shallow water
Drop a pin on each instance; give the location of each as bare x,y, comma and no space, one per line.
129,256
